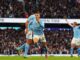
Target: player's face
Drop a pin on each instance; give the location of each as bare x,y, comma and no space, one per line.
37,15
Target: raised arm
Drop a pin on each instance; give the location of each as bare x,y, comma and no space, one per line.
69,23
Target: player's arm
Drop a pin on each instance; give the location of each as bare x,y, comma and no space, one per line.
41,23
27,22
26,25
26,31
69,23
28,19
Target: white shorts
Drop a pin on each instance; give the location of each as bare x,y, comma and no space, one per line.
75,41
41,37
29,35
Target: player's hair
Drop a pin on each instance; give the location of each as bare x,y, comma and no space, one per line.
37,11
75,23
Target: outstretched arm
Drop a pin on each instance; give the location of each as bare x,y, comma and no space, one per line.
69,23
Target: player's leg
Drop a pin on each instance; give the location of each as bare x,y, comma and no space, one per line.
44,49
78,46
43,39
35,40
28,43
26,48
78,50
19,49
72,47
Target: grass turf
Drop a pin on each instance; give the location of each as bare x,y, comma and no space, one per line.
38,58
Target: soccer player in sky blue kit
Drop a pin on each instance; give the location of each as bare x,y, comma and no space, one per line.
76,37
34,31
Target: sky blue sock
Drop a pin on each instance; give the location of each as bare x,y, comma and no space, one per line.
21,47
71,51
78,51
26,48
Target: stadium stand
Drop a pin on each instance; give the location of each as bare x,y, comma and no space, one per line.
58,40
48,8
9,39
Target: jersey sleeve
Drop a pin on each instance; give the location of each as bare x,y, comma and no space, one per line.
42,23
31,18
79,26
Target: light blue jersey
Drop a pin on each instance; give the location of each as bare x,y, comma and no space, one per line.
34,26
76,31
30,21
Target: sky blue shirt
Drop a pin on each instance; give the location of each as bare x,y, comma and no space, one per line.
76,31
30,21
34,26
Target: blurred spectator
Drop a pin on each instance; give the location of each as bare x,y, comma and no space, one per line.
48,8
58,41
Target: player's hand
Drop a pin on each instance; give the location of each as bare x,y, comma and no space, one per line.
26,30
30,33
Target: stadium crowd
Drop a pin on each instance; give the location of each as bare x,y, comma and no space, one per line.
58,41
9,40
48,8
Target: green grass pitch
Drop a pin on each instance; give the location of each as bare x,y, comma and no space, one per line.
38,58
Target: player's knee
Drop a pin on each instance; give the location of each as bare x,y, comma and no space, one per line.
72,45
44,43
35,40
29,41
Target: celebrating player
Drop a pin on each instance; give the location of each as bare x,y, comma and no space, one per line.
34,31
76,37
36,25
